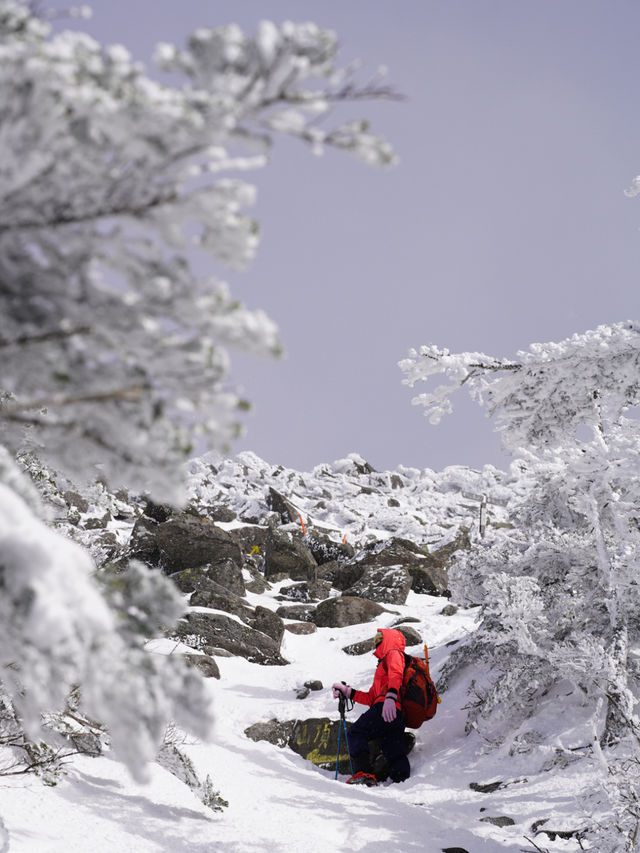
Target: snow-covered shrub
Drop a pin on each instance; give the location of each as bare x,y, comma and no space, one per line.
560,595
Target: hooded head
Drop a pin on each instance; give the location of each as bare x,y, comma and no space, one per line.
387,639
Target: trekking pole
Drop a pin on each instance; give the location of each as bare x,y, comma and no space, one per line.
343,724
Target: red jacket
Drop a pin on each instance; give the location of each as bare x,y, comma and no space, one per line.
390,669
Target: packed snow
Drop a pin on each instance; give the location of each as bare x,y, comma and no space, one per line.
277,800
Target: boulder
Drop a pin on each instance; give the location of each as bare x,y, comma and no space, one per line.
251,539
431,580
461,542
341,577
279,504
299,612
87,743
360,648
219,512
214,597
74,499
325,550
391,552
275,732
142,541
388,584
412,638
301,628
286,555
316,739
346,610
268,622
182,542
205,664
305,591
185,542
158,512
225,577
217,630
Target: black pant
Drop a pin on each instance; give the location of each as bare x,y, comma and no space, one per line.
390,736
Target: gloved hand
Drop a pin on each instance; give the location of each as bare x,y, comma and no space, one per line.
340,687
389,710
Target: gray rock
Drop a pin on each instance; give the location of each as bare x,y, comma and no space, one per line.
360,648
499,821
341,577
287,556
411,636
185,542
429,580
87,743
272,731
285,509
214,629
182,542
388,584
220,513
346,610
225,578
301,628
299,612
305,591
449,610
215,597
205,664
314,685
142,541
316,739
325,550
268,622
73,499
251,539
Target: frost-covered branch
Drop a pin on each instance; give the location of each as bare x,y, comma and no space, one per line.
111,184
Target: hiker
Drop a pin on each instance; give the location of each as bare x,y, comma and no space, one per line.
384,721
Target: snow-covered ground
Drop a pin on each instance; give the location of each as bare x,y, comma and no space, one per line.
277,801
280,802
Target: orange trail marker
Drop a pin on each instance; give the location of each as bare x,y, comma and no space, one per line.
344,539
304,530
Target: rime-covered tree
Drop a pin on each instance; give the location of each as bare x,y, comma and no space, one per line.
114,350
560,596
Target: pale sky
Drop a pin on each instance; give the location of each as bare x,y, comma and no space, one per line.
505,222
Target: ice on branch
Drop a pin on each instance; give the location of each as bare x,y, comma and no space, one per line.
115,352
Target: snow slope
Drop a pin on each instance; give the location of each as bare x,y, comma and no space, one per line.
277,800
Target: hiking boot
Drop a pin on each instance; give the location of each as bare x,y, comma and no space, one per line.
362,778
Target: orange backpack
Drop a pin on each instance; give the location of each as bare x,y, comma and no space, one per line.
418,695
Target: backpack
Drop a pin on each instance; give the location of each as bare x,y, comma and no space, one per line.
418,694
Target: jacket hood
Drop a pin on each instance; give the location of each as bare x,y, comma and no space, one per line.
391,639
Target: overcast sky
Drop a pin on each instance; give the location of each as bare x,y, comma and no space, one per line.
505,222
